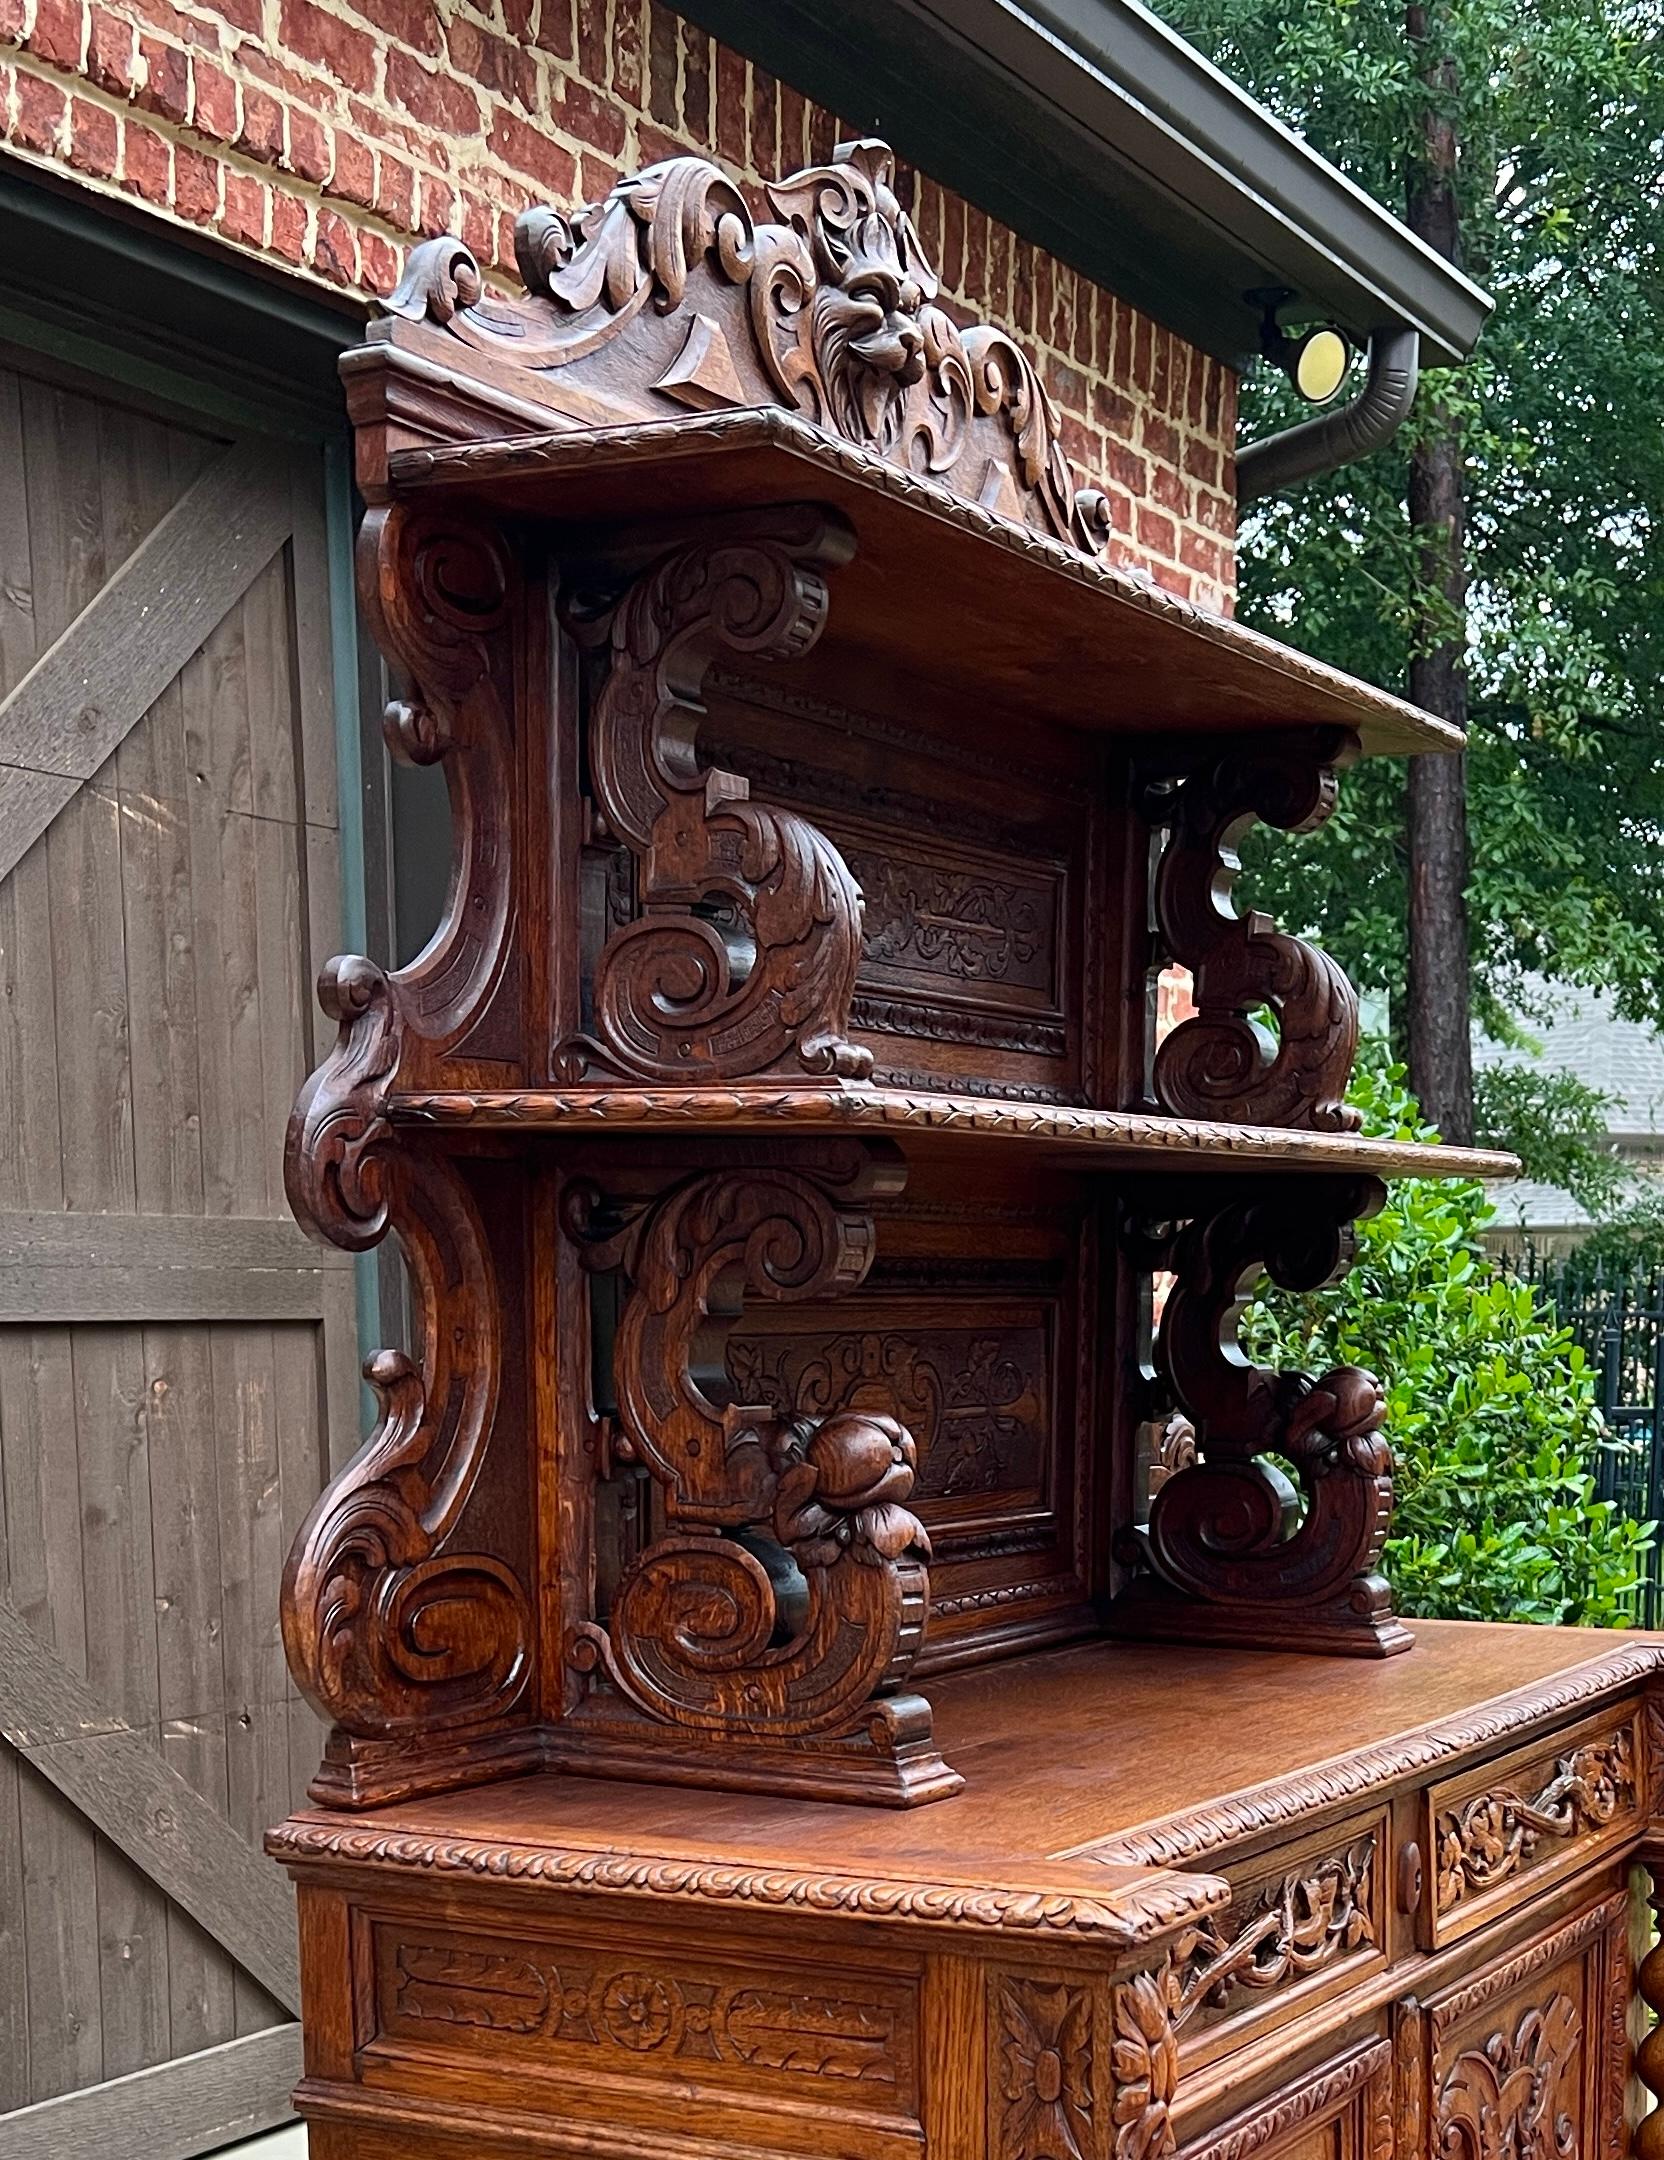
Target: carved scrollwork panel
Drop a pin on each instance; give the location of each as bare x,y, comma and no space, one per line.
1513,2097
1221,1062
1491,1837
390,1629
741,959
671,295
1228,1528
790,1585
1310,1919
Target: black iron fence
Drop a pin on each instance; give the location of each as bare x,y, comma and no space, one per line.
1616,1311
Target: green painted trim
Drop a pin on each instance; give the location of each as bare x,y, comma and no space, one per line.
196,394
349,810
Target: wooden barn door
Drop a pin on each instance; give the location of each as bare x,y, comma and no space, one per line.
174,1355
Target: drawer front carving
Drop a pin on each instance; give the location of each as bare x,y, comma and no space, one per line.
1305,1919
571,2007
1540,1809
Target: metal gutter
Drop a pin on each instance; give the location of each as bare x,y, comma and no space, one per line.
1332,439
1098,133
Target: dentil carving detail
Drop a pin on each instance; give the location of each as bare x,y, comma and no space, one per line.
1493,1835
1221,1062
829,309
742,957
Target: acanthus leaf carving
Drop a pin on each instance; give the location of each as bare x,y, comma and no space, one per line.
1507,2099
743,955
1228,1529
829,309
1221,1062
1295,1927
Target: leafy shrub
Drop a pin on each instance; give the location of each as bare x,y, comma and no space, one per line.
1493,1414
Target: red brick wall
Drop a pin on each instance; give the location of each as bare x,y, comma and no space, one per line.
322,136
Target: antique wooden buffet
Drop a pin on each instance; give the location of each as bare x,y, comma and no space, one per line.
815,1667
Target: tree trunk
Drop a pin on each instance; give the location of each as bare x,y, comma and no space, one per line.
1441,1057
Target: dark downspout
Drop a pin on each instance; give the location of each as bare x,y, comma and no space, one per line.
1333,439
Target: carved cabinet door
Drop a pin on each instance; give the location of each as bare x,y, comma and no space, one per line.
1526,2057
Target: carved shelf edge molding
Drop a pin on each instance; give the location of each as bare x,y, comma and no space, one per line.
1191,1835
1127,1917
926,1112
742,954
415,1649
669,295
1222,1062
1329,2089
1314,1916
783,1605
1491,1837
1235,1551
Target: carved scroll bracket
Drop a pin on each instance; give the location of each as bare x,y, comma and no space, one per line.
391,1633
1222,1063
741,960
786,1600
1252,1556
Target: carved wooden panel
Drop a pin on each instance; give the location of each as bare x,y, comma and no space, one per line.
1534,1814
971,1325
571,2007
1081,2070
1518,2057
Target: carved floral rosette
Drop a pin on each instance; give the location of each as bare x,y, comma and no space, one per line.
393,1630
1250,1554
671,296
786,1599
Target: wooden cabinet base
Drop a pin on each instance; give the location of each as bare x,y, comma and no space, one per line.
1379,1910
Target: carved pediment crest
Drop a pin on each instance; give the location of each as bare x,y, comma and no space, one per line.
670,294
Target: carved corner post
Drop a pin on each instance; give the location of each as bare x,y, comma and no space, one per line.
415,1644
1232,1551
1222,1062
761,1638
1081,2067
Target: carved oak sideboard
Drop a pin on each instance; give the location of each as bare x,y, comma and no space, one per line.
831,1649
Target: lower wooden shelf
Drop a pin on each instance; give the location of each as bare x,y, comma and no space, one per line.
1285,1907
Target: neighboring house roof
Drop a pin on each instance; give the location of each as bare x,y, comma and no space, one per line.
1624,1059
1097,132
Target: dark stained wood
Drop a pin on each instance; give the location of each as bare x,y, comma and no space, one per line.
832,1648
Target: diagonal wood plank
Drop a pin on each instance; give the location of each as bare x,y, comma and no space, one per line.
193,2105
123,1787
89,688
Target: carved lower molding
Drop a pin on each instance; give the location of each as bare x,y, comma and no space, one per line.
1495,1834
1367,2072
763,1638
1236,1553
1221,1062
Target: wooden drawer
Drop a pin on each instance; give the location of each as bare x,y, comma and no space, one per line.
1530,1818
1305,1922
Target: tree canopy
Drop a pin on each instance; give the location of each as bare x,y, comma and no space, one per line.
1559,115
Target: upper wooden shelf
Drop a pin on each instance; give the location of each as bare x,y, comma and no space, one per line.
940,589
927,1123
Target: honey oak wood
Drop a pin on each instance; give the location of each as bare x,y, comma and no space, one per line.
833,1648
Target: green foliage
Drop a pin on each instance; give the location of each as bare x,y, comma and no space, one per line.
1556,1124
1631,1242
1560,118
1493,1415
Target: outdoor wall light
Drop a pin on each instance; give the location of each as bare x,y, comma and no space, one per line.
1316,361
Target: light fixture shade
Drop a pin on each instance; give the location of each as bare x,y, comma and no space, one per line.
1319,364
